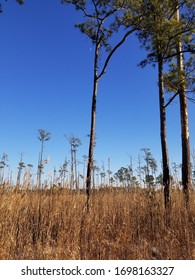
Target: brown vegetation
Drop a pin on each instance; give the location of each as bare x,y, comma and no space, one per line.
121,224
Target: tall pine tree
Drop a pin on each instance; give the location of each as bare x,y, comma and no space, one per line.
159,33
101,21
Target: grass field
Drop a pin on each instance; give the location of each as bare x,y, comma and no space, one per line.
121,224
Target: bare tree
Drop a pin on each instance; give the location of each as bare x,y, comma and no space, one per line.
3,164
74,142
62,172
43,136
21,165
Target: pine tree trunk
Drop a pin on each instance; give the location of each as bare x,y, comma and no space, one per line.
93,125
92,139
75,170
164,148
72,170
185,138
186,168
40,165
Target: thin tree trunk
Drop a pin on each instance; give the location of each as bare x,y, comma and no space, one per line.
185,137
93,127
164,147
75,170
94,98
92,139
40,165
72,169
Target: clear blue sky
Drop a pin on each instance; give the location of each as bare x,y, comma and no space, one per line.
46,82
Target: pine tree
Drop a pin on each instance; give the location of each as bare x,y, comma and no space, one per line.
101,22
181,77
158,34
154,36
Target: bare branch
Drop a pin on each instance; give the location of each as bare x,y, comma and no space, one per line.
191,99
113,51
171,99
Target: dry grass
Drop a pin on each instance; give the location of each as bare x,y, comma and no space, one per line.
121,224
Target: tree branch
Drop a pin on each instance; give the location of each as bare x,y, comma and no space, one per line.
191,99
113,51
171,99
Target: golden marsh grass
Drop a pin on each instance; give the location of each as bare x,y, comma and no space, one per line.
121,224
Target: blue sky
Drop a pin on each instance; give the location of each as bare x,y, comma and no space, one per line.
46,82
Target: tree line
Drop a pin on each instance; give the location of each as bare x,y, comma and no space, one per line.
165,28
140,172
